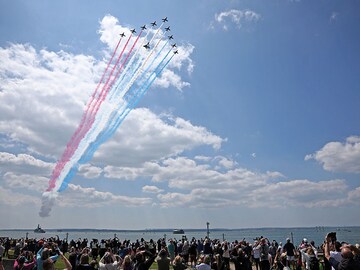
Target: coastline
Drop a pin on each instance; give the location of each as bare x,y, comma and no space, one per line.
349,234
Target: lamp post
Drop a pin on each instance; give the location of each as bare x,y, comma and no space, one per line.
207,229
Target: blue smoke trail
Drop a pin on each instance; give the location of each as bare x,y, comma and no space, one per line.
107,133
129,93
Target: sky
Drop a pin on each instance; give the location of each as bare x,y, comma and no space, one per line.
255,123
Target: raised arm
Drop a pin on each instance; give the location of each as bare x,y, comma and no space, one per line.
66,261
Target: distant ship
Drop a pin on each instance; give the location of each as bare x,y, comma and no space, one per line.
39,230
181,231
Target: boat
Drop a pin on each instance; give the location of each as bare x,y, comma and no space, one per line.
178,231
39,230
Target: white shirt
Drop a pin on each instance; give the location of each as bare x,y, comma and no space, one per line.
336,255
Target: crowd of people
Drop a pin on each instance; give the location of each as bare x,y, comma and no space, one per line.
199,254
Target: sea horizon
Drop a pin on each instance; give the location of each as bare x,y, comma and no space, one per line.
349,234
185,229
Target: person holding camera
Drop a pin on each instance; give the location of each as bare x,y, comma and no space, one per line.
350,255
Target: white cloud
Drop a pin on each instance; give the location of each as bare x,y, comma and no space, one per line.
24,163
89,171
9,197
145,136
226,162
196,186
237,17
151,189
339,157
23,159
26,182
46,82
90,197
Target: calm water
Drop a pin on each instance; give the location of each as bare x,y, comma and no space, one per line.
348,234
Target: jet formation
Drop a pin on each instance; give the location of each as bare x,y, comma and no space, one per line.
153,24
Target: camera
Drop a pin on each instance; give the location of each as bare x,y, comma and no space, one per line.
332,236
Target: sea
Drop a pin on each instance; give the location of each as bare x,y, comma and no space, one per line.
317,234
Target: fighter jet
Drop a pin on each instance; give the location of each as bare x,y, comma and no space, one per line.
173,45
143,27
122,35
147,46
167,28
153,23
165,19
133,31
176,52
170,37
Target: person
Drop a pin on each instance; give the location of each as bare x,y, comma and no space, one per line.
207,248
272,250
144,259
237,257
1,263
178,263
226,255
7,246
127,263
309,259
109,261
2,249
350,256
193,253
204,263
185,251
280,260
290,251
73,257
256,254
84,263
171,249
49,264
163,262
44,254
264,254
335,251
21,263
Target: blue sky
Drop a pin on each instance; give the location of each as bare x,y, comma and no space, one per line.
254,123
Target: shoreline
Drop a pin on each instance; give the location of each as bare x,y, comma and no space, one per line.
185,229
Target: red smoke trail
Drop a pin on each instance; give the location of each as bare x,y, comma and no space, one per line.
119,70
81,131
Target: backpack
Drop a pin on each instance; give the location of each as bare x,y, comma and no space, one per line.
314,263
